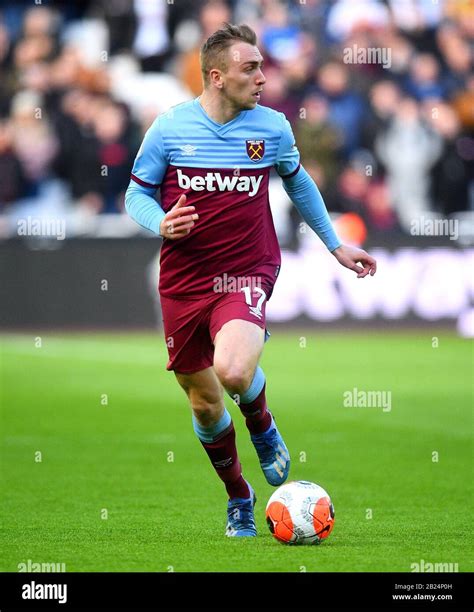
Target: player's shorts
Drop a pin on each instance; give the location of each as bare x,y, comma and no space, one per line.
190,326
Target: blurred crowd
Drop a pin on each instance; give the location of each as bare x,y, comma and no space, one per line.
380,95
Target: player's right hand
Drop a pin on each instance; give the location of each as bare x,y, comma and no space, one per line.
177,223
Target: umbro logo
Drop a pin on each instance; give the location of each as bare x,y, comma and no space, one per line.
223,462
255,311
188,150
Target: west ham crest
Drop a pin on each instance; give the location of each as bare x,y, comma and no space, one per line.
255,149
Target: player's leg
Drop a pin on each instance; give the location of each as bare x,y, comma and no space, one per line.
213,426
191,352
238,344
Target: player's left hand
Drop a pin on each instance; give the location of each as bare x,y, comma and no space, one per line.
350,257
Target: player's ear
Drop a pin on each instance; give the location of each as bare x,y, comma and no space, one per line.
215,77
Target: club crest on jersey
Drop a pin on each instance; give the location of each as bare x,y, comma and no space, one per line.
255,149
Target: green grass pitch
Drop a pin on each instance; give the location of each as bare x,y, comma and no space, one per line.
101,469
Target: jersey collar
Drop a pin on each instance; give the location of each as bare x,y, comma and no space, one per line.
220,128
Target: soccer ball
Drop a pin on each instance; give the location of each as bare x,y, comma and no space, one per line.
300,512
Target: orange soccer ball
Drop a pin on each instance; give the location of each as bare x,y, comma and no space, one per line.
300,512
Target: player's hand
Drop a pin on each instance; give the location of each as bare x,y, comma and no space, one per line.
178,222
350,257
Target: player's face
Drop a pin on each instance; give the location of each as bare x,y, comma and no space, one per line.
244,80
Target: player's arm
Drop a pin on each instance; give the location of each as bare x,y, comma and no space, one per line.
148,171
305,195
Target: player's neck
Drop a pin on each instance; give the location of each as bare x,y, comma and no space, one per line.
218,109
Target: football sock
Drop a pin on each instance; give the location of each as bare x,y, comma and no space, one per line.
253,405
218,441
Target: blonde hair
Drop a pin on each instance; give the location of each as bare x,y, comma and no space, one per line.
213,50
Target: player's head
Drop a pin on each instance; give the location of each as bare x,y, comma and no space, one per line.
232,65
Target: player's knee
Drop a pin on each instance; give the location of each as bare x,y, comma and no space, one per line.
205,396
206,413
234,377
205,401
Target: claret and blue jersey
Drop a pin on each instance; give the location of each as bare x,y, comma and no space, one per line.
187,137
224,172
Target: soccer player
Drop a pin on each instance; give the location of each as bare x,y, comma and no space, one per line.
211,158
